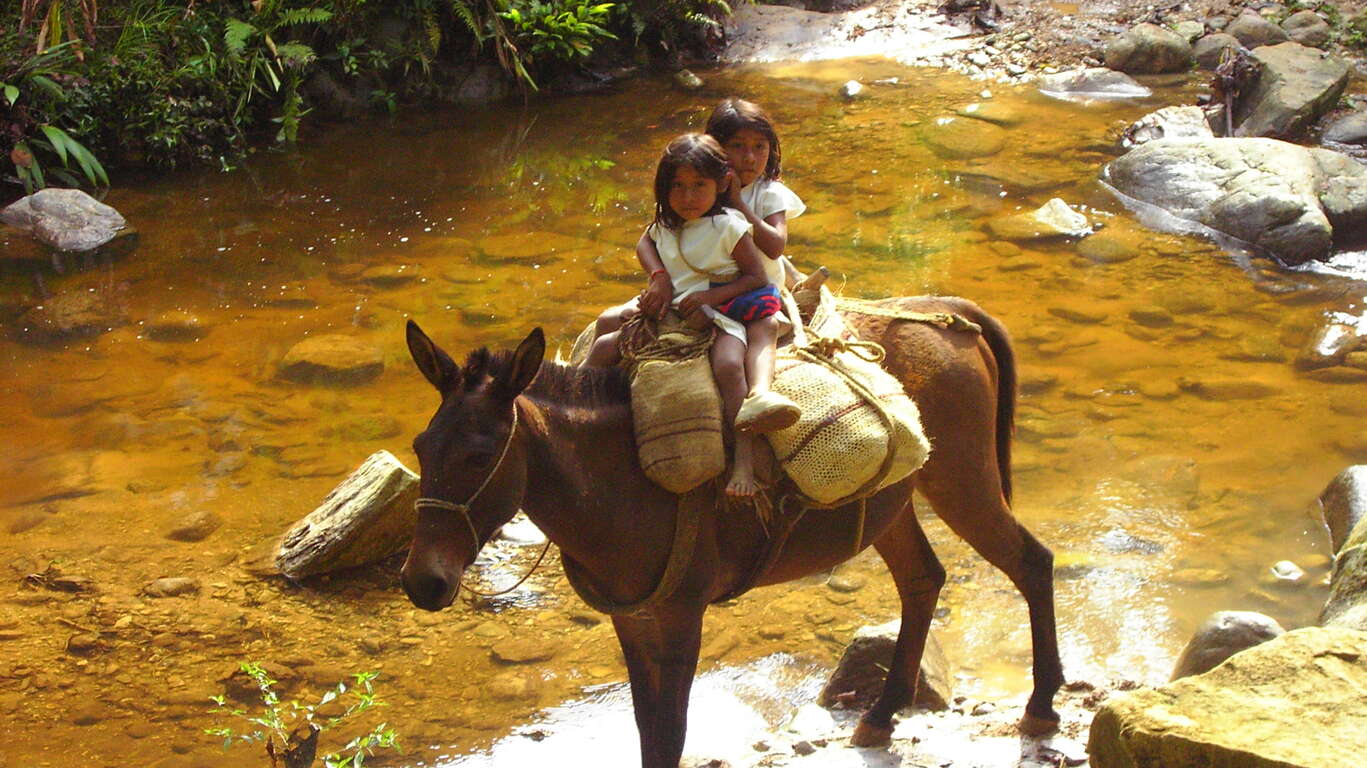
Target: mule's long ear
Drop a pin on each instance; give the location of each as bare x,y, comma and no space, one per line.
435,364
525,363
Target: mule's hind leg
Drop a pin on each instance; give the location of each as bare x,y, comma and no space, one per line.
919,577
965,492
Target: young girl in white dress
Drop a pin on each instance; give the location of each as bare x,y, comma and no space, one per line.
701,258
752,147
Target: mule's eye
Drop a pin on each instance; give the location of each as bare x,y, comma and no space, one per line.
479,460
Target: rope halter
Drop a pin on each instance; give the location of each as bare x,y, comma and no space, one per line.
463,510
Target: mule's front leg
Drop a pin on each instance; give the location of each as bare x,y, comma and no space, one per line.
919,576
661,654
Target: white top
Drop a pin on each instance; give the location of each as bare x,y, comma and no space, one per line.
707,243
765,198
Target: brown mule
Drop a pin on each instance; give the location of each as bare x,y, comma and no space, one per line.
513,431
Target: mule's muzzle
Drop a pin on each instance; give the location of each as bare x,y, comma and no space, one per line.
428,588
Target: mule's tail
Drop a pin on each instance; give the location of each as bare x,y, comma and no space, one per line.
999,341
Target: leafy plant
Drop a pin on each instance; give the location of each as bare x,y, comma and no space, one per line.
677,24
30,94
559,30
266,67
279,726
55,21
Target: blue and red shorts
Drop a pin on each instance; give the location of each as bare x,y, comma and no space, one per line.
752,305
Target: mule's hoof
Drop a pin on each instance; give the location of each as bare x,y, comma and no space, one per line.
1032,725
866,735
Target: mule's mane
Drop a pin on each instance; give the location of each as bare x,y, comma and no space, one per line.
555,383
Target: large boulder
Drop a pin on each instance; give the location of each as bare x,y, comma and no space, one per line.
1208,49
1307,28
65,219
1092,84
1289,201
1253,30
858,678
1343,504
366,518
1149,49
1293,701
1222,635
1295,87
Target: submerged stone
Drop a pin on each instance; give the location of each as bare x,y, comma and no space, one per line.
1053,219
331,359
958,138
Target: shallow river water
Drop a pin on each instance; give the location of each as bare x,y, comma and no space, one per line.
1167,449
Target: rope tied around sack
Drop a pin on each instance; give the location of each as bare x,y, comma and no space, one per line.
829,346
642,340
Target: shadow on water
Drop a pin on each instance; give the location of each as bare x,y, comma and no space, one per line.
1168,449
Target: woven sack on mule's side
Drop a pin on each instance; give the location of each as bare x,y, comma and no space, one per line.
676,410
840,443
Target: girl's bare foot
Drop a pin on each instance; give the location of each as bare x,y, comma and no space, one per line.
742,484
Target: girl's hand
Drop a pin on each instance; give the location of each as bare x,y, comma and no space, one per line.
655,299
695,301
733,186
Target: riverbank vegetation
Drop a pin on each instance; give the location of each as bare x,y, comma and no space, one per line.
86,84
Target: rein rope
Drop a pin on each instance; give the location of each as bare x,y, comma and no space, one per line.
464,511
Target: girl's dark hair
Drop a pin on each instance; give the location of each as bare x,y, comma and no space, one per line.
698,151
733,115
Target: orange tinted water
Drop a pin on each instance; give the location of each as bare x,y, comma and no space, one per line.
1162,499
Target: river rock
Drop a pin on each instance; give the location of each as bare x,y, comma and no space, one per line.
172,587
69,316
331,359
851,90
388,275
1096,83
1347,602
958,138
195,526
65,219
1293,701
1168,122
1289,201
1253,30
1053,219
1149,49
1328,345
858,678
1189,30
174,325
1343,504
522,651
1208,50
485,83
995,112
1349,129
1222,635
1307,28
1297,86
688,81
1222,390
366,518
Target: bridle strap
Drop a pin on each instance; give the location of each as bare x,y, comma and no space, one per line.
464,511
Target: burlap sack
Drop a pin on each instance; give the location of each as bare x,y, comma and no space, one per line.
677,414
841,443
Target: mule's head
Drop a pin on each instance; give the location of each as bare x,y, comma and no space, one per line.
467,457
